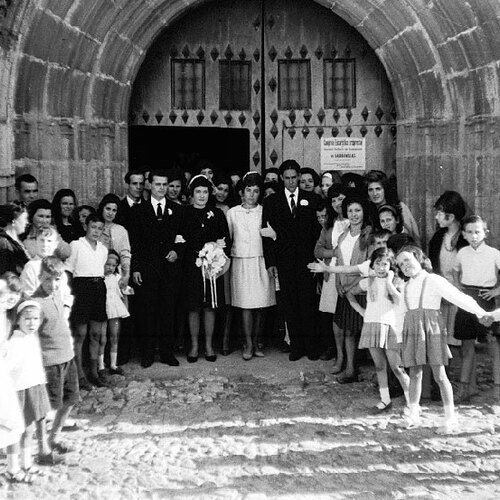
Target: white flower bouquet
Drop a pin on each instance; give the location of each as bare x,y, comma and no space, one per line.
213,262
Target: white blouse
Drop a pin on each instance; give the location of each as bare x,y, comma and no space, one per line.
438,288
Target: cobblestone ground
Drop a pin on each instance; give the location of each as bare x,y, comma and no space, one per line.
266,428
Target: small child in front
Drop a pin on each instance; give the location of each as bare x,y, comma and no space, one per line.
86,263
24,362
57,349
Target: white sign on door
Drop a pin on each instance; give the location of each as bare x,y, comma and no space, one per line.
343,153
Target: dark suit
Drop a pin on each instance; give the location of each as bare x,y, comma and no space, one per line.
125,211
290,253
151,241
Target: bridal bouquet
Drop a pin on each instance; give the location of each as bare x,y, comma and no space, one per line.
213,262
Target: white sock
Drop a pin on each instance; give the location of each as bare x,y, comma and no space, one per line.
384,395
101,362
449,412
414,413
112,359
27,458
13,462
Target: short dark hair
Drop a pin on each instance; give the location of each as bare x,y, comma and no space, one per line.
289,165
157,173
94,218
28,178
130,173
9,213
108,198
451,202
312,173
378,253
35,205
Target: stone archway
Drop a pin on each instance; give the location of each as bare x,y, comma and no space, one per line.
68,66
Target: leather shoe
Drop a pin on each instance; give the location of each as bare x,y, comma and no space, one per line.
295,356
147,362
211,357
192,359
169,359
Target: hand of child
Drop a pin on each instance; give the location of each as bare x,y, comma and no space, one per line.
486,320
390,275
489,294
317,267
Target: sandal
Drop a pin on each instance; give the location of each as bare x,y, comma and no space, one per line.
382,407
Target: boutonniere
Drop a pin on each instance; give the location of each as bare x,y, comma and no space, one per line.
169,211
210,214
179,239
303,203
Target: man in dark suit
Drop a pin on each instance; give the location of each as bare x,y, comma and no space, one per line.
291,212
157,250
135,189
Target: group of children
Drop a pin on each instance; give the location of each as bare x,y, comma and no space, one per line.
40,360
413,315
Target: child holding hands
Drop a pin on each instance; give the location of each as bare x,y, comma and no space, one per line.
424,332
382,332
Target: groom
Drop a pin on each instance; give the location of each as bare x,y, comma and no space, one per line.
291,212
157,250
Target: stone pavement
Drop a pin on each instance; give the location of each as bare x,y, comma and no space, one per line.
267,428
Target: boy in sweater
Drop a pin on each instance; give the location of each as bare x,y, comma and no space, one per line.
57,349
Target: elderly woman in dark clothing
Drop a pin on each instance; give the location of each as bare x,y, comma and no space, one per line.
64,215
13,222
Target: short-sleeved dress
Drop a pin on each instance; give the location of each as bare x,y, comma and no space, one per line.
201,225
115,307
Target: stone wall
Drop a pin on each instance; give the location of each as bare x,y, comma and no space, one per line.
67,67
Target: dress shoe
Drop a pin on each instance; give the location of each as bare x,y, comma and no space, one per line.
147,362
192,359
295,356
226,351
327,355
211,357
169,359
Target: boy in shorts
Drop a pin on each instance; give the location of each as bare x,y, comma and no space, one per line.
57,349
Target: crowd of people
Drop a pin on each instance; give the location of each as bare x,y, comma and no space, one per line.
336,261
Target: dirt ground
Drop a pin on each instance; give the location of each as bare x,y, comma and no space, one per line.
267,428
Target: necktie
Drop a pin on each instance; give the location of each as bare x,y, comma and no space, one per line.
159,212
292,204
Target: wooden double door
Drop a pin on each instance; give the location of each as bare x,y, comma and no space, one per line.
250,84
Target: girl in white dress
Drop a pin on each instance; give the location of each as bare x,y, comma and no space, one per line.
252,289
115,310
382,330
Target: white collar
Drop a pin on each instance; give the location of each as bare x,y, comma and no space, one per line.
131,202
154,202
295,193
